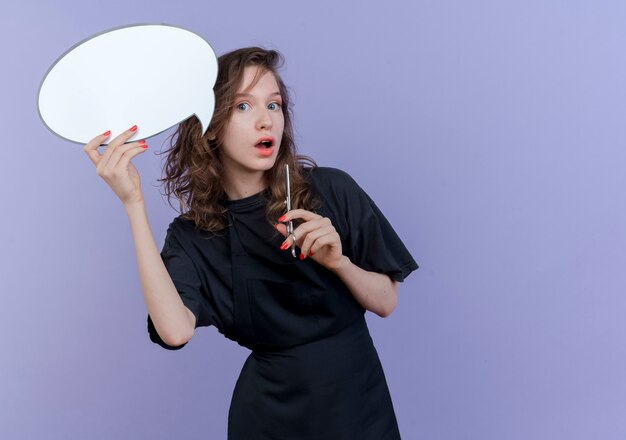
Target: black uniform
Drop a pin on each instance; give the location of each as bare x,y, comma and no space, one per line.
313,372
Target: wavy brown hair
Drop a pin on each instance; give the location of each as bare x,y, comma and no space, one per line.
193,170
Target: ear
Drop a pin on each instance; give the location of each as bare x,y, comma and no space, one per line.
211,136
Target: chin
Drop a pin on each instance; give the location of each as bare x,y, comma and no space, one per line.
269,166
270,162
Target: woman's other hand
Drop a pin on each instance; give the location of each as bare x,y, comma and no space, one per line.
316,237
114,164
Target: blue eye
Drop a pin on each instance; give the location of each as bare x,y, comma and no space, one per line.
239,106
275,104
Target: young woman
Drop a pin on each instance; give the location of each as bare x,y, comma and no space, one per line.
313,372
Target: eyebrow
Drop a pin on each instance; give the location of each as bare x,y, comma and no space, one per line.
247,95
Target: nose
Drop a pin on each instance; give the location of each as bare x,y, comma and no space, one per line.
264,120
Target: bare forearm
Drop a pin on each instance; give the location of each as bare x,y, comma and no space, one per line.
376,292
172,320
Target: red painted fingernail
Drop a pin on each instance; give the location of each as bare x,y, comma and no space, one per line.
106,133
282,219
310,254
133,128
302,256
284,246
143,141
144,146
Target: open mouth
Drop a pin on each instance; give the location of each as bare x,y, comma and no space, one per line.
265,146
265,142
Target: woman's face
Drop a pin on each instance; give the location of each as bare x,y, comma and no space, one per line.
257,116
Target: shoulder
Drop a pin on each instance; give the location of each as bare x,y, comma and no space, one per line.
328,172
331,178
341,194
183,232
175,235
180,226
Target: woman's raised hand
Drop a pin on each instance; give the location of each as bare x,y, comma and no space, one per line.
316,237
114,164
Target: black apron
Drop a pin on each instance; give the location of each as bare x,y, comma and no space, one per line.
299,383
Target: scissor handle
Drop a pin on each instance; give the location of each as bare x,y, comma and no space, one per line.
288,203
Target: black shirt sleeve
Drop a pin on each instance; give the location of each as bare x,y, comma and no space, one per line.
372,243
185,277
377,248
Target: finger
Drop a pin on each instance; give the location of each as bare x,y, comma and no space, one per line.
305,228
107,168
330,239
91,148
289,241
299,213
281,228
116,142
300,233
313,237
114,160
129,154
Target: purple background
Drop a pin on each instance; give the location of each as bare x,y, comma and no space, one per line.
489,133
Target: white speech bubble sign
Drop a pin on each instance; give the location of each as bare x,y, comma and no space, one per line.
151,75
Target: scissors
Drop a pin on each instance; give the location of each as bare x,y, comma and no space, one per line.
288,203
